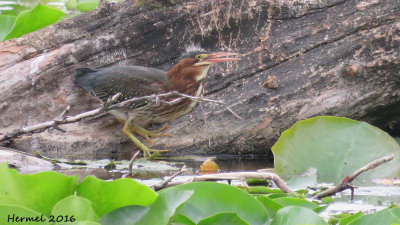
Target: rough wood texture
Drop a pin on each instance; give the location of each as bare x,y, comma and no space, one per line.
329,57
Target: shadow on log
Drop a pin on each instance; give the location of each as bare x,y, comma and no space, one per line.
300,60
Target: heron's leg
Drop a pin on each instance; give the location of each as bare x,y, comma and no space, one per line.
139,144
147,134
146,151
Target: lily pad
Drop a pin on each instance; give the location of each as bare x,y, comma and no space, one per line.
10,213
386,216
161,212
270,205
210,198
223,219
292,201
39,192
80,208
293,215
109,195
336,147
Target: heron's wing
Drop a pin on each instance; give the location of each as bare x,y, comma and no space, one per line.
130,81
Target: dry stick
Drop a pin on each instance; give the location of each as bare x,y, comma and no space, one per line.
344,185
57,121
232,176
165,183
130,166
108,105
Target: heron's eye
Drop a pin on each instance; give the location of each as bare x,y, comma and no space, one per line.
198,57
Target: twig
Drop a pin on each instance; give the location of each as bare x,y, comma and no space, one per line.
233,176
165,183
213,101
52,123
62,115
130,166
346,183
108,105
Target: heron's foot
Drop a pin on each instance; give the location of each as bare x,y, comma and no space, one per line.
146,150
147,134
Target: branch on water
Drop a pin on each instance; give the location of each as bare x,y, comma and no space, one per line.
108,105
347,181
230,176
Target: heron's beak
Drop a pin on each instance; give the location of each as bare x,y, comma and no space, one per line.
219,57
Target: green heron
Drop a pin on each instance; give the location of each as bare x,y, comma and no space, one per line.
186,77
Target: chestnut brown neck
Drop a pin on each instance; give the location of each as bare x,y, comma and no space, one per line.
182,77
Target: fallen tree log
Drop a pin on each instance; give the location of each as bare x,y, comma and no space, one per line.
300,59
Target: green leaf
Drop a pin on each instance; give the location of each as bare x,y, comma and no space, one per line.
280,195
130,214
337,146
182,219
351,218
39,192
386,216
292,201
34,19
6,23
327,200
86,5
223,219
9,214
263,190
210,198
297,215
109,195
80,208
319,209
270,205
161,212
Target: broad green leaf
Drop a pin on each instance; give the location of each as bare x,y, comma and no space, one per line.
161,212
9,214
109,195
280,195
210,198
292,201
270,205
130,214
182,219
86,5
386,216
336,147
349,219
39,192
34,19
80,208
223,219
327,200
293,215
6,23
319,209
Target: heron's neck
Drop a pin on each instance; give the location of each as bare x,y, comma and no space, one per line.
186,83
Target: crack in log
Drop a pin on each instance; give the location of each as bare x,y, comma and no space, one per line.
313,11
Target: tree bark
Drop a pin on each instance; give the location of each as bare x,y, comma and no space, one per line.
300,59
